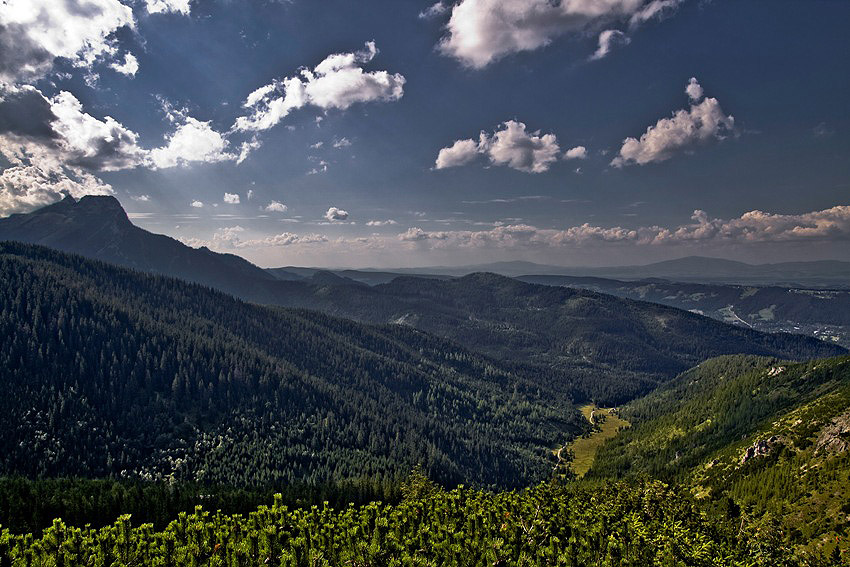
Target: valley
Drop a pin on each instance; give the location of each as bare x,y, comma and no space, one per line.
606,423
128,385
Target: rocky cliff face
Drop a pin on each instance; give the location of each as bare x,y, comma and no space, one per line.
835,438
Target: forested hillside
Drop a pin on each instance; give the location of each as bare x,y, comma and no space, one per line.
820,313
109,372
602,348
759,438
589,346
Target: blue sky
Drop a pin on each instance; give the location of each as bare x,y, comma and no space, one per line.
409,133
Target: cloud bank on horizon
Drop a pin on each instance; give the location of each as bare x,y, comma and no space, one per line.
309,119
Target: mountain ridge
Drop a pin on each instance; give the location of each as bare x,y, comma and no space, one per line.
588,345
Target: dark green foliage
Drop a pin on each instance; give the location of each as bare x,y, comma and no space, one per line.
616,525
106,372
702,430
589,346
710,407
582,345
28,506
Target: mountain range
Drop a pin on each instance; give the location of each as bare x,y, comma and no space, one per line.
816,312
587,345
825,274
116,373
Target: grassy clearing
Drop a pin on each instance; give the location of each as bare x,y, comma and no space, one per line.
585,448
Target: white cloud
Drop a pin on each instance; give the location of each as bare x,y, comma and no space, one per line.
340,143
229,238
231,198
704,121
198,204
578,152
759,226
694,90
26,187
192,141
511,146
336,83
129,67
35,32
607,40
250,194
335,214
459,153
141,198
321,167
317,145
166,6
751,227
276,207
482,31
53,146
388,222
86,141
246,148
653,9
434,10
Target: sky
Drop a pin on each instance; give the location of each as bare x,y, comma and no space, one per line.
399,133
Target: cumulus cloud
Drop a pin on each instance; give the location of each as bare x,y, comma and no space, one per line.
28,187
335,214
166,6
459,153
512,146
230,238
276,207
751,227
128,67
33,33
197,204
759,226
141,198
702,122
607,40
482,31
694,89
388,222
193,141
578,152
336,83
57,130
340,143
231,199
53,146
56,142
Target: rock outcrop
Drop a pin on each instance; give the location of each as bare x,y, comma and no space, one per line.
835,437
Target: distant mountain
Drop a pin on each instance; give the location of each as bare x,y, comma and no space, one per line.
582,344
818,274
109,372
755,437
820,313
97,227
822,274
370,277
592,346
